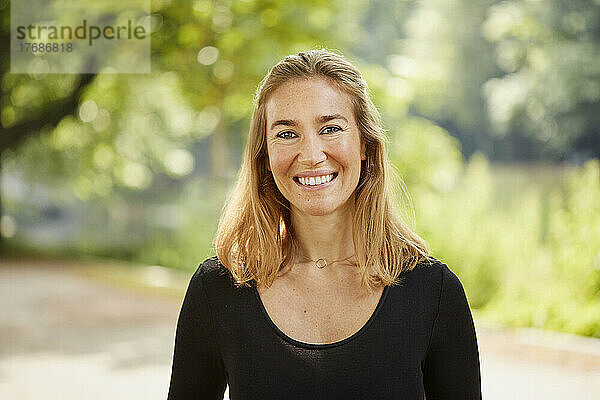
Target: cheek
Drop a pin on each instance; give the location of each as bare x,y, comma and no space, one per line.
280,161
349,154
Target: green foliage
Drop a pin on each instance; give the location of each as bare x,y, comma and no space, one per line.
445,61
425,155
515,79
528,253
550,59
461,226
207,59
188,222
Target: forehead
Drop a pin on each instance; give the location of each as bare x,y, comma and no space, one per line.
302,97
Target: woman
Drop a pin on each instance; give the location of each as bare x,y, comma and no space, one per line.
319,290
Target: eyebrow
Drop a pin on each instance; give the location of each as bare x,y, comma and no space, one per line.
284,122
326,118
322,119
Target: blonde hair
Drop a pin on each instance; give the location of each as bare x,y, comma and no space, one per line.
255,237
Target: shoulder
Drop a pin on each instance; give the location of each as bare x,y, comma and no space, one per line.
450,293
212,275
430,268
211,271
218,288
426,289
211,268
433,274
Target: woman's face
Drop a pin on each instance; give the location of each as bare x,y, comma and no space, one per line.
314,145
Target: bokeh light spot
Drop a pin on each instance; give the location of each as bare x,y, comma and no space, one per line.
208,55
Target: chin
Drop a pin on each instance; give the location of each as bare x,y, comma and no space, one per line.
317,211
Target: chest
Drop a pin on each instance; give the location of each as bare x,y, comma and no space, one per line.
254,328
312,314
383,361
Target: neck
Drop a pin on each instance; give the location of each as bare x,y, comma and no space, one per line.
327,236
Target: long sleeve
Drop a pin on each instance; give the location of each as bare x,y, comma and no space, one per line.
451,369
198,371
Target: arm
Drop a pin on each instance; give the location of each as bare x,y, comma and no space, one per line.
198,371
451,367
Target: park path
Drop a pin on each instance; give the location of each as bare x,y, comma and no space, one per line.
66,336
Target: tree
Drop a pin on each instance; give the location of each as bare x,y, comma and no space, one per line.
549,91
101,132
445,60
516,79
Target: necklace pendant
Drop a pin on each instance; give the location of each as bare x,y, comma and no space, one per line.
321,263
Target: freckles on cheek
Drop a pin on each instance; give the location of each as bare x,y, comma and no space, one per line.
282,170
280,164
347,151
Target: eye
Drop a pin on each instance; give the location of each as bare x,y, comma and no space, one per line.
286,134
331,129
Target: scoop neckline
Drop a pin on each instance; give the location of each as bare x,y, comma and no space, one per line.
307,345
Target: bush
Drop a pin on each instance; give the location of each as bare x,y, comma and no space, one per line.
528,253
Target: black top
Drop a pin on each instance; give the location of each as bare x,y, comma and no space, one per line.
420,340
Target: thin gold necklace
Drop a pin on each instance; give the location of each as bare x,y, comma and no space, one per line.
322,263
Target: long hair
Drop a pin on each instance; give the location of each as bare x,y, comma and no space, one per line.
255,237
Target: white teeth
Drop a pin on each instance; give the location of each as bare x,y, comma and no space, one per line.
313,181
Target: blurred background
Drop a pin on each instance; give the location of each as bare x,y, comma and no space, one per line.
492,109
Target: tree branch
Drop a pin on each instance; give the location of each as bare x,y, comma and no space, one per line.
13,136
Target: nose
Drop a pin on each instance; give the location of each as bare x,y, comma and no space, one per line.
311,150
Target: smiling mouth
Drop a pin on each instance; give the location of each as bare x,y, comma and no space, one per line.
315,181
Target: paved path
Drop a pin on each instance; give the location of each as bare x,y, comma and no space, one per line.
64,336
